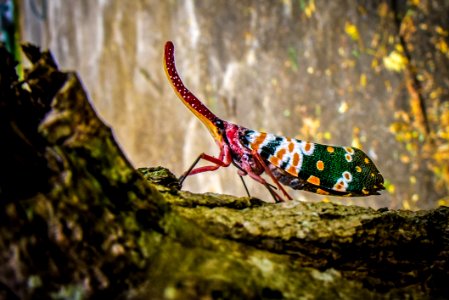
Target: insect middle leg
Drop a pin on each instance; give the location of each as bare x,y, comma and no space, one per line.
268,171
270,188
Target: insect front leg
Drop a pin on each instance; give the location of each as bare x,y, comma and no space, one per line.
224,160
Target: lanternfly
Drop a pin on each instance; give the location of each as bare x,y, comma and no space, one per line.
322,169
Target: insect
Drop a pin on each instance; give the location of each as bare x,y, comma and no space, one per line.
301,165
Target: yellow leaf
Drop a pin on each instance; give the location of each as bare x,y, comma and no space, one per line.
388,85
383,10
343,107
356,143
391,188
443,202
435,93
352,31
395,127
399,48
444,118
442,46
441,31
310,8
363,80
406,204
395,61
405,158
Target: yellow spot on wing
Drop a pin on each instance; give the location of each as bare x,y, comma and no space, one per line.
314,180
330,149
322,192
349,150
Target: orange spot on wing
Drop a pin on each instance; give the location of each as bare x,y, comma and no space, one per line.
295,159
292,171
274,160
291,147
348,157
307,147
314,180
281,153
330,149
340,186
320,165
366,160
259,140
347,176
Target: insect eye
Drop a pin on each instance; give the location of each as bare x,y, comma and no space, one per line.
219,124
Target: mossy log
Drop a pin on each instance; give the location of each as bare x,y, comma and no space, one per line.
78,221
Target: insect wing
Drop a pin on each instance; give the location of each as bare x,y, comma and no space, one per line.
323,169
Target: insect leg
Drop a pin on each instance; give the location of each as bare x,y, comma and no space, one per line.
259,179
275,196
223,160
268,171
244,185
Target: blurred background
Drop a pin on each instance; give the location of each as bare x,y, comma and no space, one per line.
371,74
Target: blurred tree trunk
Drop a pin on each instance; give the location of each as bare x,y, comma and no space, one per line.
77,221
368,73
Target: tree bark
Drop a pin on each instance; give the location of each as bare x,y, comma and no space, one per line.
78,221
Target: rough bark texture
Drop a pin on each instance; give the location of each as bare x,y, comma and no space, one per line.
77,221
